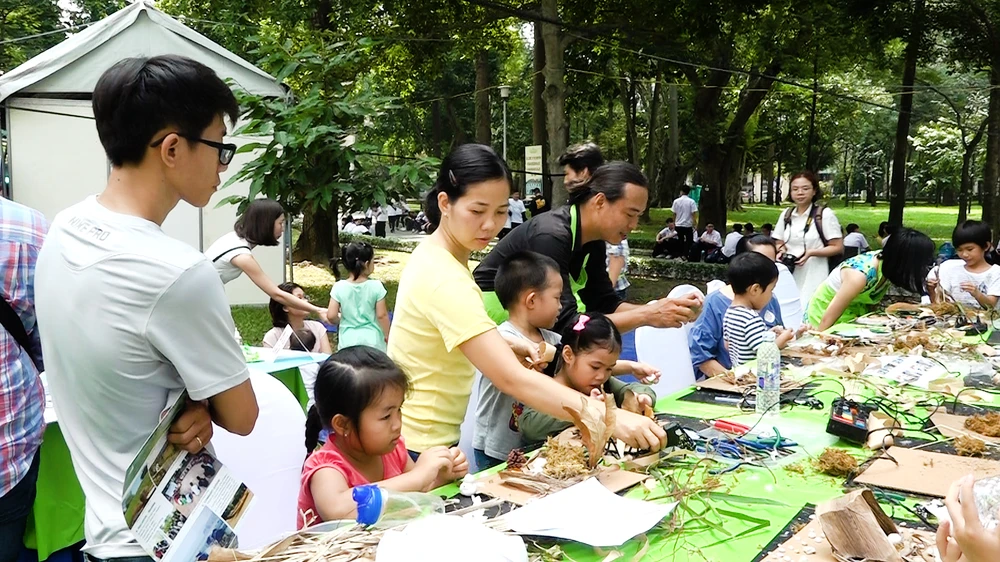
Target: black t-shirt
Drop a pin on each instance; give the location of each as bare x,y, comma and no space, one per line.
550,234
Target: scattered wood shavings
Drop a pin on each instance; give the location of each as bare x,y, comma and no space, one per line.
835,462
967,446
984,424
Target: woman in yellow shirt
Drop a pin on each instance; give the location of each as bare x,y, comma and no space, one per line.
441,333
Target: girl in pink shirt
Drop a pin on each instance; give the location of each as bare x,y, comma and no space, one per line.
359,392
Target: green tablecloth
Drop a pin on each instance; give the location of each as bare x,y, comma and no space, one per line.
806,427
56,520
292,379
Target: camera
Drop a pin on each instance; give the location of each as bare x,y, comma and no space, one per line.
789,261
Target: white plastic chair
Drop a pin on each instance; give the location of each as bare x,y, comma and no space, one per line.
667,349
269,461
469,424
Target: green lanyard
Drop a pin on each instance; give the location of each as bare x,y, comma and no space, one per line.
575,284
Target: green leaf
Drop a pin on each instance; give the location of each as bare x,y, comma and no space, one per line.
731,498
231,200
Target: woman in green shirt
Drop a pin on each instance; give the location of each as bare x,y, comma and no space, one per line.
859,284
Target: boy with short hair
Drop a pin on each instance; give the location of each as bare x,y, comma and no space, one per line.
132,316
752,277
528,286
970,281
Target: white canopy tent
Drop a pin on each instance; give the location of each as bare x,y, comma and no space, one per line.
55,156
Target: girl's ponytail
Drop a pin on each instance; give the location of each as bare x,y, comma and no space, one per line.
314,425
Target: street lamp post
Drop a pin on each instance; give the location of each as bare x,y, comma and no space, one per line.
504,94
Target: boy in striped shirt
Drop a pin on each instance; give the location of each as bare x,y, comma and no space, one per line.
753,277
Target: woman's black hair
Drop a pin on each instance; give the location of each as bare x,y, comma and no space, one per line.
355,255
972,232
466,165
256,224
907,258
279,317
592,330
347,383
609,179
756,240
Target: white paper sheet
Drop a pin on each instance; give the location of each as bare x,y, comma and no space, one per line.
588,513
913,370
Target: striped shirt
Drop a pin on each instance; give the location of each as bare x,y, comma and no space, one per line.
743,330
22,399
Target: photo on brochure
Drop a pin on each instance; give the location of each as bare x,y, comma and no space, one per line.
179,505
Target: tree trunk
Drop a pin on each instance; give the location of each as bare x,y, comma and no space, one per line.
777,183
897,188
671,180
991,170
810,150
652,141
538,107
712,208
627,92
436,129
556,122
484,131
767,176
319,241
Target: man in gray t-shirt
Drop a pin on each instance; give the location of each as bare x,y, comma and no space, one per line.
132,317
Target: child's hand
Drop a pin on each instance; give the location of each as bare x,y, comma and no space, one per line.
597,394
969,541
931,285
969,287
647,374
431,463
459,464
802,329
784,337
644,399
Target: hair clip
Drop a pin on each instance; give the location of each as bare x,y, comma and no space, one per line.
452,178
581,323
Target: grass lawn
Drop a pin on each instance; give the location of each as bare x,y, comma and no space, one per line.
254,321
936,222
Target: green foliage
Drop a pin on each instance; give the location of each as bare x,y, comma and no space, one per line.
18,21
308,148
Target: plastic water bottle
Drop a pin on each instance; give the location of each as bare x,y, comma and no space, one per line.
385,508
768,376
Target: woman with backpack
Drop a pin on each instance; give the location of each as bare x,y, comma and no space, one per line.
809,236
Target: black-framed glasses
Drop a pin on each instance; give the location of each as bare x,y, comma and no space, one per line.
226,150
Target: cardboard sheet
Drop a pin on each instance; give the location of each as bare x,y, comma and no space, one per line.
923,472
795,549
719,385
614,479
951,425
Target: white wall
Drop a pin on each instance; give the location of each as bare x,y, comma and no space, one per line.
58,160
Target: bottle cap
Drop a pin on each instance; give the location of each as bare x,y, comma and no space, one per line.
369,500
770,336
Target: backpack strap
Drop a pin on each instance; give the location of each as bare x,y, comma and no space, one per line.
219,257
12,323
818,221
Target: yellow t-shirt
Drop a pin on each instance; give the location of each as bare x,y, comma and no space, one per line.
438,308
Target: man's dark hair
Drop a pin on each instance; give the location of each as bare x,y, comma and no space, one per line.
685,189
137,97
767,226
737,227
972,232
749,269
582,157
853,227
748,227
523,271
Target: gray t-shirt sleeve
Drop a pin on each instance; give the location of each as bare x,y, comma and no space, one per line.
192,328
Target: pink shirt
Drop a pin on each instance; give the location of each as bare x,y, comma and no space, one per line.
328,456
